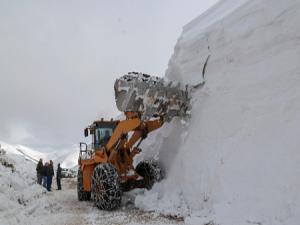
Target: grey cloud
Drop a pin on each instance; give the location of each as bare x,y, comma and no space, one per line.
59,60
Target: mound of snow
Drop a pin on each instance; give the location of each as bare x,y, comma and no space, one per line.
237,160
18,188
22,201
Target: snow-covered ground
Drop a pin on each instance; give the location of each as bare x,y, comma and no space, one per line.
236,161
24,202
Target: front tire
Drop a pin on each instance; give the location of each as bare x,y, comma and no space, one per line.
106,189
150,171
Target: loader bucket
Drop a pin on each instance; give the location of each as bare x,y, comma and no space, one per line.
151,96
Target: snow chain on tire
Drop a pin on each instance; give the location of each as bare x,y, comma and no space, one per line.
150,171
106,189
81,194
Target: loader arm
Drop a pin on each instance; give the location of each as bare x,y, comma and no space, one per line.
142,131
122,128
139,127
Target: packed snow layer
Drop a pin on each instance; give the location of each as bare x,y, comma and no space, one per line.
236,161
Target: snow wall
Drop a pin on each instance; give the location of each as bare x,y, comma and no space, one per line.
237,160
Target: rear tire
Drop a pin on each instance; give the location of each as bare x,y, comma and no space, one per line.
106,189
150,171
81,194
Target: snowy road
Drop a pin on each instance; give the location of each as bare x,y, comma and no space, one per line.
22,201
64,208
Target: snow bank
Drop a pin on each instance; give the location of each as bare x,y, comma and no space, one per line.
237,160
18,189
22,201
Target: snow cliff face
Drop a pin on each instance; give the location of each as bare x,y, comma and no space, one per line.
236,161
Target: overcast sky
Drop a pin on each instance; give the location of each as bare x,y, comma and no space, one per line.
59,60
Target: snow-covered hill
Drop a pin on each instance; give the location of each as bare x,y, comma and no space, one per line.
236,161
66,157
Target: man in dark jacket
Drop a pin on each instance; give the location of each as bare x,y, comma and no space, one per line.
39,169
58,176
50,174
44,174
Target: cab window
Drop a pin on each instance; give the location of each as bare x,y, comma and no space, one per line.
102,136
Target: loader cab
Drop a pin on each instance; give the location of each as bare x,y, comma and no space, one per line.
101,132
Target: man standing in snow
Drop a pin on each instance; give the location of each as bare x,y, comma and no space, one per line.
50,174
58,176
39,169
44,174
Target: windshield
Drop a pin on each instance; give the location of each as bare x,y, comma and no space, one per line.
102,136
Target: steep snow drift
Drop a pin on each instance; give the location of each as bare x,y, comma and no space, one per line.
236,161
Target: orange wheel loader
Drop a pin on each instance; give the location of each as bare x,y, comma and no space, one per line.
105,168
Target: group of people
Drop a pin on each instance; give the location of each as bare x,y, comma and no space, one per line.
45,174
